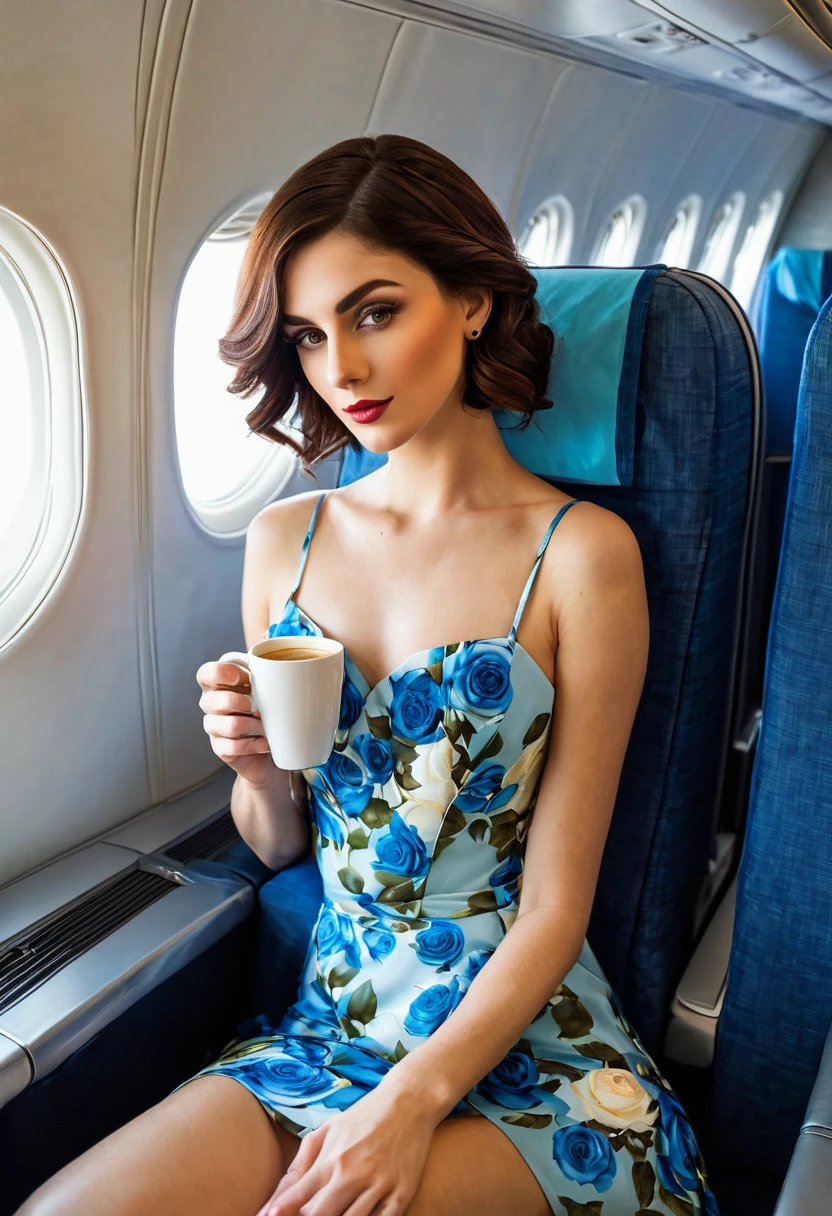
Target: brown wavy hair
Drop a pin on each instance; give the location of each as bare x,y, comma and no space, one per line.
392,193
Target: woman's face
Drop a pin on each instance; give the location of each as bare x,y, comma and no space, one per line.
369,326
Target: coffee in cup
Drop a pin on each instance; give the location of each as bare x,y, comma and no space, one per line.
296,688
293,654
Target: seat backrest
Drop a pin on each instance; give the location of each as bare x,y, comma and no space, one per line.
778,1002
673,439
796,283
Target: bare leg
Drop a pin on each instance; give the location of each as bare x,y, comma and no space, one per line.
210,1147
473,1169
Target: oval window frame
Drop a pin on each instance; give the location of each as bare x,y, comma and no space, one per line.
715,262
57,393
229,514
559,207
634,211
758,237
691,207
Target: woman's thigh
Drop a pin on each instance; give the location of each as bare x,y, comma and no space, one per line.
209,1148
473,1169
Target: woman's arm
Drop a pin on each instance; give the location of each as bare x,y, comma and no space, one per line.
600,608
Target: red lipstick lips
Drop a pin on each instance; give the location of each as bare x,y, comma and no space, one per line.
367,411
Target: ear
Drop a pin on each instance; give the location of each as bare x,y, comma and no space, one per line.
477,306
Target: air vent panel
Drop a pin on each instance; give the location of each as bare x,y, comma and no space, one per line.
206,842
29,960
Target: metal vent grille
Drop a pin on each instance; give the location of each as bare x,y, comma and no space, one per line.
54,942
207,842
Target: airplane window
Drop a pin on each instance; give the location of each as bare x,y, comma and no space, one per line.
619,240
720,239
676,245
18,341
752,253
228,473
41,422
547,238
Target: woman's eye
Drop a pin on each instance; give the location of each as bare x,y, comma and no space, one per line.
380,310
383,311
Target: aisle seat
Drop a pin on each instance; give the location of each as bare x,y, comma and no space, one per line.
778,1001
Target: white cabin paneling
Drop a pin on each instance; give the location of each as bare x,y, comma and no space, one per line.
473,99
129,132
260,88
72,762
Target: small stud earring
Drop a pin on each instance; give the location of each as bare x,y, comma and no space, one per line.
474,333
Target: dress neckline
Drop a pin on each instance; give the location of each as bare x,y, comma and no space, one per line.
407,663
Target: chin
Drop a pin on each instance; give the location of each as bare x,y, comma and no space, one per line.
381,441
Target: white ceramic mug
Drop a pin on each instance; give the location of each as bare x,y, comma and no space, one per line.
299,700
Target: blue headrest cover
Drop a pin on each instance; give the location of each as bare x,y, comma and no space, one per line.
796,283
598,316
802,276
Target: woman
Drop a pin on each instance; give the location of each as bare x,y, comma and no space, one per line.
455,1047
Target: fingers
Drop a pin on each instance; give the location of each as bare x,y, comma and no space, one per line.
369,1204
220,701
230,726
230,746
223,675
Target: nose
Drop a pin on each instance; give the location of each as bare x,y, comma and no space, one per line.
346,362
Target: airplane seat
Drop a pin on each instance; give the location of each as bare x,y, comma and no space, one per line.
656,417
792,291
778,1002
794,287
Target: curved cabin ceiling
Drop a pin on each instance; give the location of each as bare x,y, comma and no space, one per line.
770,53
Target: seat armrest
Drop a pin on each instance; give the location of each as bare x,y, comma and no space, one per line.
819,1110
808,1183
697,1002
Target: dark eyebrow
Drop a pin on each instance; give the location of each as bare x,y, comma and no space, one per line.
347,302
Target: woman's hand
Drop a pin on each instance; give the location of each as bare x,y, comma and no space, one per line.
365,1161
235,731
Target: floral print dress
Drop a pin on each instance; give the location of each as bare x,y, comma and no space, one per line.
419,819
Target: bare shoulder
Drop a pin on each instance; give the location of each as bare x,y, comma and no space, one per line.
596,551
279,523
273,545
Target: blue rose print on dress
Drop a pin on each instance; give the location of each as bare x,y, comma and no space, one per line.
474,964
505,878
294,624
416,707
347,782
311,1050
376,756
432,1007
331,824
480,787
337,933
287,1080
584,1155
361,1068
420,848
351,705
401,851
676,1147
379,943
477,677
440,945
514,1083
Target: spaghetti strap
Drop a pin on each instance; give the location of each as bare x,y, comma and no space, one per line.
305,549
536,566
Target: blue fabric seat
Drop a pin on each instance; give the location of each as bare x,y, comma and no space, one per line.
795,285
778,1002
684,421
